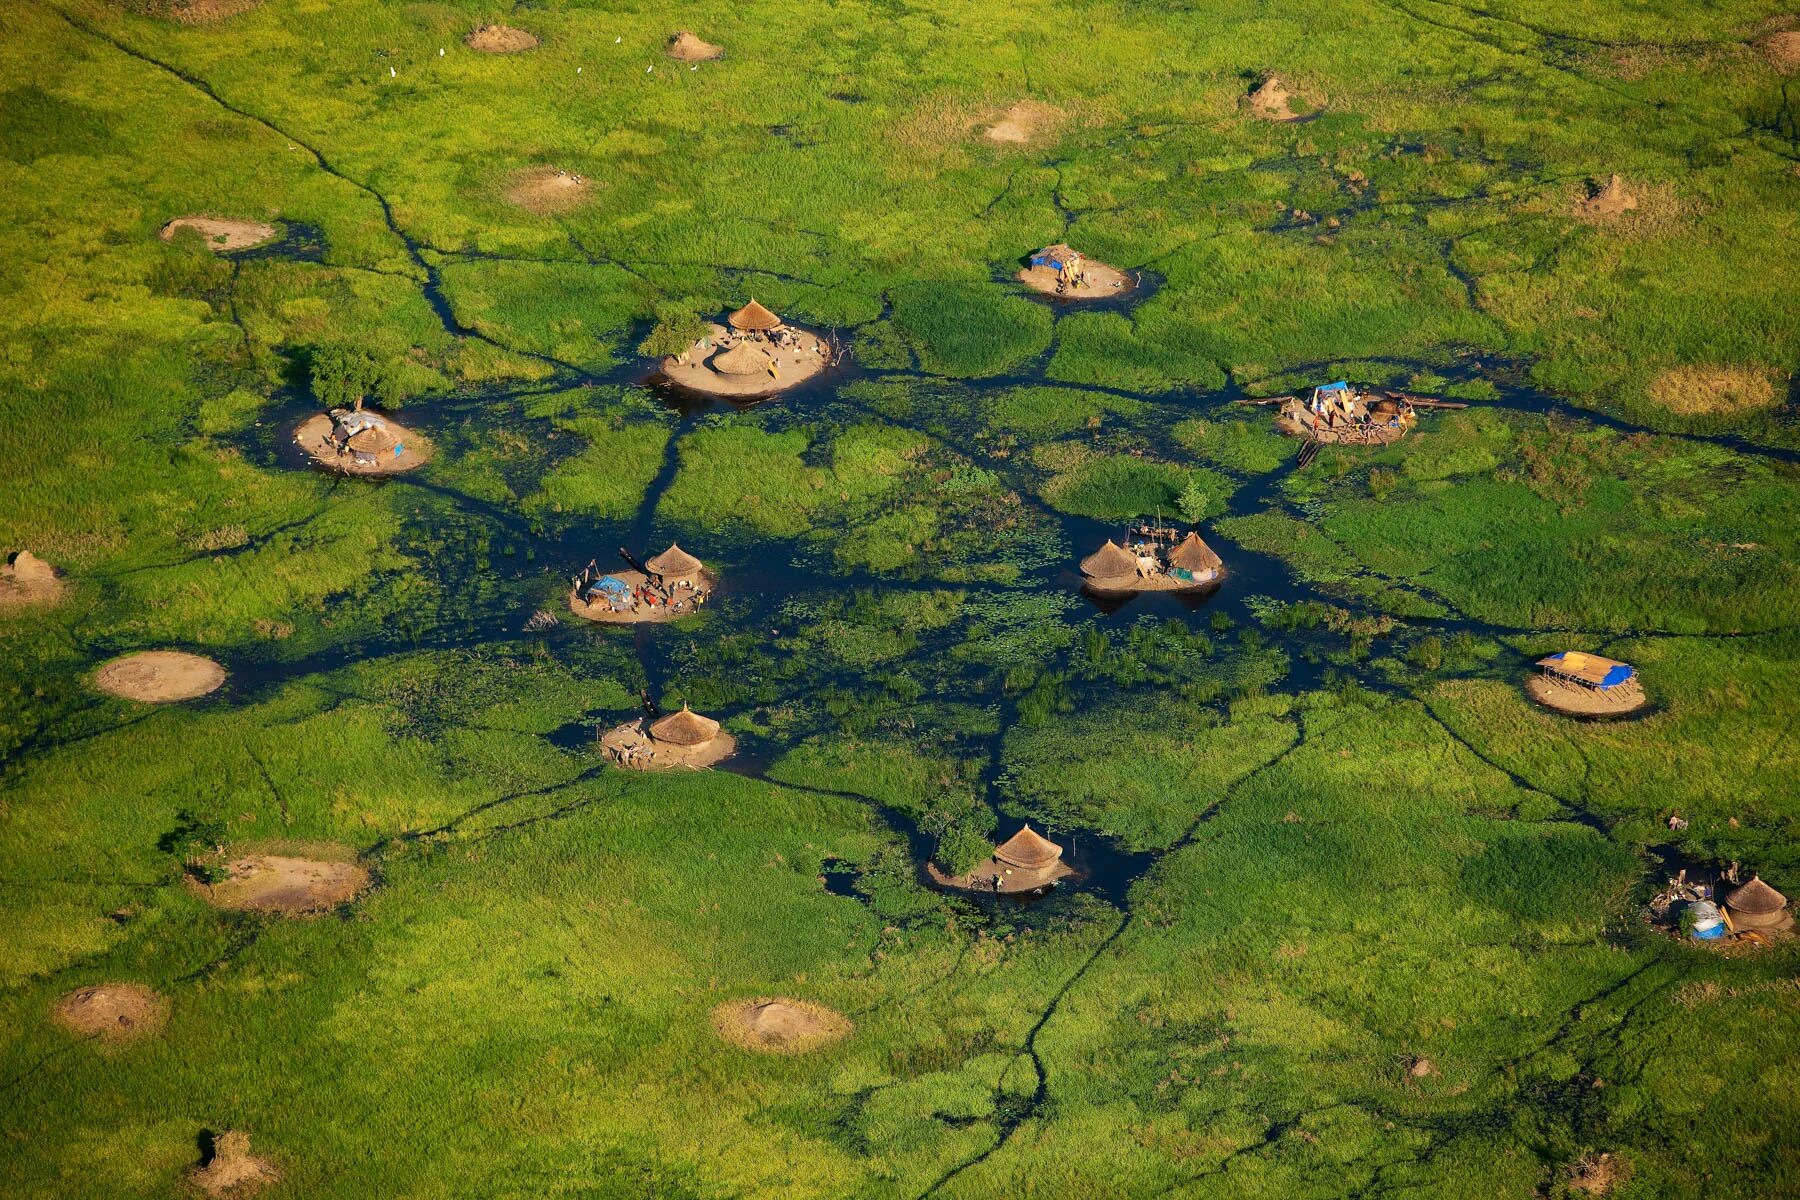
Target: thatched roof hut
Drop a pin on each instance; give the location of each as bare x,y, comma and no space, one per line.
754,318
1028,850
1589,670
684,728
1756,905
1111,561
1060,257
674,564
743,359
1194,555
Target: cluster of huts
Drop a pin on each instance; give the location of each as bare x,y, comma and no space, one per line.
1338,412
1150,560
669,585
755,353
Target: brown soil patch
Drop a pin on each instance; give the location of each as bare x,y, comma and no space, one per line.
1605,203
232,1169
160,676
221,233
1578,701
779,1025
1014,881
1023,123
547,190
112,1012
1696,391
26,579
198,12
295,887
314,437
1598,1174
1101,282
685,47
1783,50
1270,100
793,365
500,39
685,603
631,746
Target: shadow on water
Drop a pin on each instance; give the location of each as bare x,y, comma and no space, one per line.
299,242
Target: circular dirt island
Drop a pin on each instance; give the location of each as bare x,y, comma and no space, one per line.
1573,700
112,1012
1098,282
686,47
779,1025
28,580
547,190
369,451
647,604
288,885
222,233
681,739
160,676
741,366
500,39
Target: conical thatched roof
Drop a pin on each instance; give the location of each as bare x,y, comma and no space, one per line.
1109,561
754,316
684,728
1028,849
1756,897
674,561
1192,554
376,439
742,359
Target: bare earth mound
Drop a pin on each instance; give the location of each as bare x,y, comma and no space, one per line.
685,47
682,605
500,39
778,1025
1697,391
1783,50
1023,123
747,369
1271,101
314,437
221,233
1101,283
160,676
1610,201
232,1169
28,579
112,1012
548,191
297,887
1577,701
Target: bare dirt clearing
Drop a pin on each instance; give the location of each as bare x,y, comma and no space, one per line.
222,233
1100,282
160,676
291,886
685,47
1783,50
112,1012
547,190
1576,701
314,437
778,1025
500,39
1024,123
27,580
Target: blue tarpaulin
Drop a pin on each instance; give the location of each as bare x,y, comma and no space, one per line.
610,586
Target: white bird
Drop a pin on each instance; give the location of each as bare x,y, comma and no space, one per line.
440,52
393,74
649,69
578,70
695,67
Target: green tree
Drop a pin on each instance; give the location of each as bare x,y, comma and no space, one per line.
342,375
1192,502
677,327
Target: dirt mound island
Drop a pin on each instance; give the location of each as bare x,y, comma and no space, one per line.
1605,203
1069,275
547,190
500,39
778,1025
291,886
27,579
230,1168
160,676
1270,100
685,47
1782,49
221,233
1023,123
758,355
1576,701
679,739
362,443
1703,391
112,1012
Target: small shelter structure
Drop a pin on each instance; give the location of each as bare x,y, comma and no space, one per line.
1339,412
678,739
1025,862
1756,905
670,585
360,442
1193,561
1582,684
1110,569
754,318
1146,562
1061,270
754,354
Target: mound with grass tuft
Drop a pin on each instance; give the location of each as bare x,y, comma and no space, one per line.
1713,390
689,48
231,1169
779,1025
1270,100
500,39
1613,199
160,676
28,580
112,1012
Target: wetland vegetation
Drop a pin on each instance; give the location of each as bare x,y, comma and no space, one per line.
1349,916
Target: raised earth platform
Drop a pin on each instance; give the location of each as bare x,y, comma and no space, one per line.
747,367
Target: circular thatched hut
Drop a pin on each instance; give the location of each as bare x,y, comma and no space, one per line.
754,318
1026,862
676,566
1193,561
1111,568
677,739
1756,905
744,359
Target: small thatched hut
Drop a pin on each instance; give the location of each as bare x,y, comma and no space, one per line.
754,318
674,566
684,728
1028,850
1110,568
679,739
1195,559
1756,905
743,359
